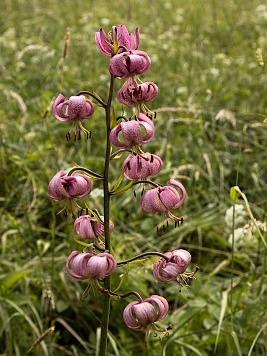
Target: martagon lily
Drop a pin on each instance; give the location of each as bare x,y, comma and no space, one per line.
133,132
126,64
166,271
117,40
75,110
141,166
141,314
88,265
163,199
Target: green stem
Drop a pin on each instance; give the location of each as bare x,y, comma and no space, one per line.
107,284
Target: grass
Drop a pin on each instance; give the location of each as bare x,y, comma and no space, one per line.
211,135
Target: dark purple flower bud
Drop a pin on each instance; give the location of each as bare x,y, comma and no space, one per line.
76,108
137,131
86,228
165,271
131,92
117,40
130,63
139,315
63,186
162,199
87,265
141,166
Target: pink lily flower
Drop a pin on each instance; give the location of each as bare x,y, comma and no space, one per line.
87,265
165,271
117,40
131,92
130,63
163,199
86,228
75,109
141,166
137,131
140,315
63,186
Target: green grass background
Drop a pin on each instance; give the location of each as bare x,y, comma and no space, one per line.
205,58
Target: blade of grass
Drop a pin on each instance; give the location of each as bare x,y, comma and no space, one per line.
255,339
237,345
223,308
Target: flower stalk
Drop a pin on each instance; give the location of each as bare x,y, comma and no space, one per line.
107,284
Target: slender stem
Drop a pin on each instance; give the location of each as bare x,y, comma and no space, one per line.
92,173
107,284
138,296
153,253
155,185
96,97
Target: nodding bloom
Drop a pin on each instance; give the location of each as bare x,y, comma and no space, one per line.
63,186
130,63
131,92
86,228
136,131
87,265
75,109
166,271
117,40
163,199
142,314
141,166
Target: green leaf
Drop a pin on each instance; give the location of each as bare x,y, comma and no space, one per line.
7,280
123,189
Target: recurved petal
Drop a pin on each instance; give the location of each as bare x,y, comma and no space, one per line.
58,108
103,42
162,304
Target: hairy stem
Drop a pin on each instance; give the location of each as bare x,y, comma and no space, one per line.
107,284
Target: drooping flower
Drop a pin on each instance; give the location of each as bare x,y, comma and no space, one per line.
164,199
166,271
136,131
131,92
117,40
86,228
141,166
130,63
87,265
63,186
75,109
139,315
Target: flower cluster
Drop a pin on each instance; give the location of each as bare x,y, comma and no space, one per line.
126,62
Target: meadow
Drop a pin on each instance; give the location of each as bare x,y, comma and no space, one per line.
209,62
